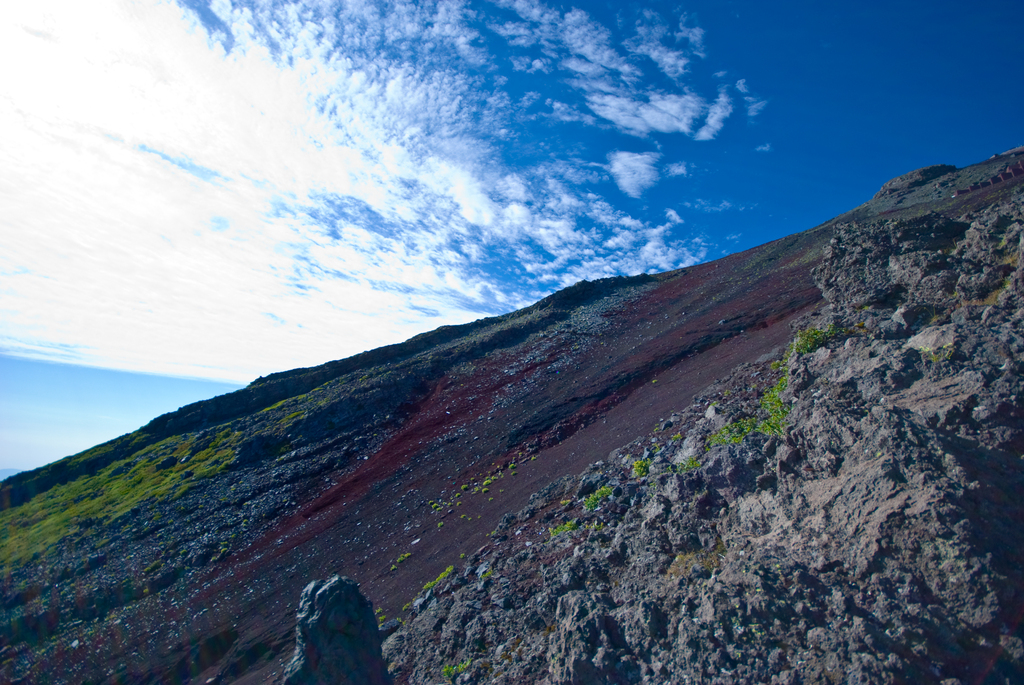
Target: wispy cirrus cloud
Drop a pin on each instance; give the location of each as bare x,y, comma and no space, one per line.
323,177
754,104
611,85
717,114
651,31
693,35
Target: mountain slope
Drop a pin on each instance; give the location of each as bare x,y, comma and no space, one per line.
177,553
848,513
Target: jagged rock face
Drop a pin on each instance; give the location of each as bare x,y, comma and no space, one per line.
876,541
337,640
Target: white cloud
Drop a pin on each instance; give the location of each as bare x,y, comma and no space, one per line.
754,106
677,169
583,47
673,216
767,147
648,41
666,113
530,66
634,172
592,42
705,206
717,114
694,35
321,178
568,113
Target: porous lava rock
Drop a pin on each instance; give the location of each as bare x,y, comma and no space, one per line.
337,641
876,539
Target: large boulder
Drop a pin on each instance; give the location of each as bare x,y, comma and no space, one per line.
337,640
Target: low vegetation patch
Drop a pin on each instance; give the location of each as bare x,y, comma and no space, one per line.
85,506
808,341
603,492
708,559
567,526
775,424
449,671
444,574
774,410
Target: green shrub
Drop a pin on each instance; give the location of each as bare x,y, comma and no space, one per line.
775,424
688,465
641,467
811,339
776,409
591,502
450,671
732,432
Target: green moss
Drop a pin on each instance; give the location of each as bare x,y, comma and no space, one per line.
38,525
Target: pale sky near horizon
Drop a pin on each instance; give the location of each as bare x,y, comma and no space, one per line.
220,190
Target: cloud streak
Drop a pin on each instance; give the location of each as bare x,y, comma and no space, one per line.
321,178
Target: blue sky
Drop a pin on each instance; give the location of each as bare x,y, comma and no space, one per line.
220,190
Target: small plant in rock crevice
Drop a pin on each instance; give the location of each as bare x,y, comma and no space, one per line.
591,502
449,671
686,466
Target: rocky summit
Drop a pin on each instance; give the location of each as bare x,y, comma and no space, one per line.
797,464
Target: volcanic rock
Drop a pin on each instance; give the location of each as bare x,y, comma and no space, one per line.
337,639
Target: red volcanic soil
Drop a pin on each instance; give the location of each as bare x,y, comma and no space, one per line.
552,405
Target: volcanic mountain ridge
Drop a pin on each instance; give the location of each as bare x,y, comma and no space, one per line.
177,553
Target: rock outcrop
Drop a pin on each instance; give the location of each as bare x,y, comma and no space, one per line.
337,640
914,179
850,513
